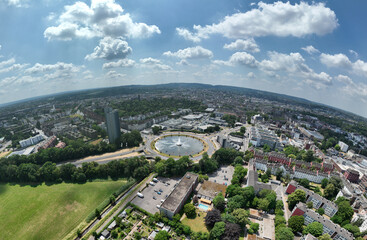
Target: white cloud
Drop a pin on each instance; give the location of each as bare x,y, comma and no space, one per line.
295,66
344,79
7,62
186,34
57,70
354,53
190,53
102,18
277,19
109,49
154,63
239,58
119,63
248,45
114,75
17,3
340,60
251,75
310,50
14,67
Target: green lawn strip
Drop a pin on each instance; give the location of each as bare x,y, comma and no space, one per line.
197,224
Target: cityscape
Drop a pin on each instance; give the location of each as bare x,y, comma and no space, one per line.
175,120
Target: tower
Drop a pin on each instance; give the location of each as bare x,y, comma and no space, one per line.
113,125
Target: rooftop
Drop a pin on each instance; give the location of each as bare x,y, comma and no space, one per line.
173,201
211,189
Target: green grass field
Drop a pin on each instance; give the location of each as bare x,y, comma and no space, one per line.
49,212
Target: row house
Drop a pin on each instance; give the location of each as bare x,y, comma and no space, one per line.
334,230
318,201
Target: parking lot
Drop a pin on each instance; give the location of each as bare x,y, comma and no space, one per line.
151,196
223,175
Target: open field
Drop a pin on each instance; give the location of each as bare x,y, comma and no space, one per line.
49,212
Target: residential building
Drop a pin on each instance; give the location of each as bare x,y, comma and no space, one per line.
351,175
113,125
31,141
334,230
318,201
343,146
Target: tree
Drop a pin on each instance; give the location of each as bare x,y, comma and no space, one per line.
296,197
232,231
241,216
324,183
351,228
137,235
314,228
279,174
97,213
279,220
243,130
190,210
156,130
309,204
304,182
284,234
345,212
162,235
217,231
212,217
255,227
266,148
330,191
263,204
235,202
219,202
296,223
325,237
320,211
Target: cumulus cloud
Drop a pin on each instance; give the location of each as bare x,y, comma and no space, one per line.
119,63
190,53
351,87
239,58
58,70
186,34
344,79
154,63
102,18
310,50
274,19
294,65
109,49
114,75
248,45
340,60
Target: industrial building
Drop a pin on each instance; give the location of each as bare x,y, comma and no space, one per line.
177,198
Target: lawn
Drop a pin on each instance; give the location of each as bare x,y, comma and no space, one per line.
197,224
49,212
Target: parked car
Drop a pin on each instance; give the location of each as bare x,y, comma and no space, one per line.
154,198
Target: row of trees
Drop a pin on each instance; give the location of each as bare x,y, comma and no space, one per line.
223,156
136,167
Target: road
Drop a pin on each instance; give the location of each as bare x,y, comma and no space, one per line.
107,157
135,191
5,145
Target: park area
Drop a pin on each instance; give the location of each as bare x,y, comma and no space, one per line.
49,212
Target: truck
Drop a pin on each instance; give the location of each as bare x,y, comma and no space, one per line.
140,195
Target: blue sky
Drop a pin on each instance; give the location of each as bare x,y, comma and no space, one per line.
310,49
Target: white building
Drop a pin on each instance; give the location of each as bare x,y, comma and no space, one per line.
343,146
31,141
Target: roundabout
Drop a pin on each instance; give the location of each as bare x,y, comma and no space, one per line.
178,144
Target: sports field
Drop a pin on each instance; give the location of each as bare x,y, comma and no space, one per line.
49,212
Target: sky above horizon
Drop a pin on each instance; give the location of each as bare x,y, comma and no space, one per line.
311,49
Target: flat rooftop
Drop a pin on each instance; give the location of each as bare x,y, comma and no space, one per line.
211,189
174,200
